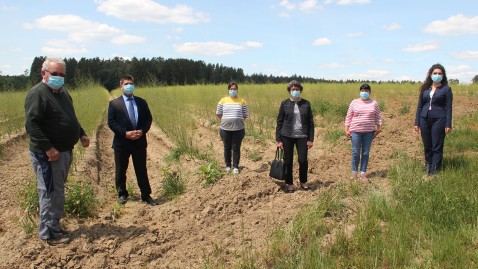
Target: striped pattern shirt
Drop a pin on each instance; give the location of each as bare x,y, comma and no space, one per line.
233,112
363,116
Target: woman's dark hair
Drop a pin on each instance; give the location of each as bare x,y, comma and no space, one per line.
428,80
232,83
294,83
365,87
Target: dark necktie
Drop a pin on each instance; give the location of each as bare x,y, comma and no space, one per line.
131,112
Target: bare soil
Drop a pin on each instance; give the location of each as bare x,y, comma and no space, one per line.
205,224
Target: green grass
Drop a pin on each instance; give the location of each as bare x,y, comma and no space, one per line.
173,185
80,199
420,222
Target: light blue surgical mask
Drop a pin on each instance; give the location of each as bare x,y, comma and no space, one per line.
233,93
128,89
437,78
55,82
295,94
364,95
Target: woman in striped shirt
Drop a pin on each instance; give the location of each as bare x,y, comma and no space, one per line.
362,124
232,111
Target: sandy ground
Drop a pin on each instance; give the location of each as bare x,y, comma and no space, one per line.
205,223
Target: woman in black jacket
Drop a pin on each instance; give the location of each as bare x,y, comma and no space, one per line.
434,115
295,126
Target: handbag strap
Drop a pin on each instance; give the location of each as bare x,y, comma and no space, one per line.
279,154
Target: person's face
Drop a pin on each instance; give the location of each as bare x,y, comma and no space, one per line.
295,88
54,69
126,82
365,90
437,71
233,87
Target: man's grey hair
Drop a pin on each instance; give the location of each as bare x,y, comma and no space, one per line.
46,63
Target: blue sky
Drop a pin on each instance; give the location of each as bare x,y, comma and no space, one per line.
331,39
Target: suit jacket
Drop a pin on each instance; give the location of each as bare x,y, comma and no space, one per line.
119,123
441,102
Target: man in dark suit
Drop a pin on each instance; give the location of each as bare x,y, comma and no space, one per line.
130,119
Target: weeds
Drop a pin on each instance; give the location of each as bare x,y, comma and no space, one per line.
29,204
254,154
211,173
173,184
80,200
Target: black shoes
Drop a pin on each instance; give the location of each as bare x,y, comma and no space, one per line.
122,200
149,201
57,241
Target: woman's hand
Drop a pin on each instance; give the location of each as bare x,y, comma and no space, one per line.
280,145
447,130
417,129
310,144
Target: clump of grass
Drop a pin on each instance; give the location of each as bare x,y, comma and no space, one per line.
29,205
80,200
405,109
130,188
253,154
333,135
173,184
211,173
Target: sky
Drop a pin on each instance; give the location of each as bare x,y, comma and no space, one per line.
330,39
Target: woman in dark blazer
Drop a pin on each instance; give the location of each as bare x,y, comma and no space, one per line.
295,126
433,117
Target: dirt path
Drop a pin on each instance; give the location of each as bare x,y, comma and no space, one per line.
206,223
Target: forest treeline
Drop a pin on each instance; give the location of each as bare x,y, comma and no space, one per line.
154,71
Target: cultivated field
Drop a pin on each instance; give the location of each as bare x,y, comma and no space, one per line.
398,220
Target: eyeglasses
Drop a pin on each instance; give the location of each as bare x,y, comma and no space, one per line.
56,74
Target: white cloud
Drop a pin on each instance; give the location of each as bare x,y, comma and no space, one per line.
287,5
391,26
367,75
212,48
454,25
357,34
348,2
151,11
60,52
308,5
331,66
464,73
253,44
127,39
322,41
422,47
78,29
466,55
284,14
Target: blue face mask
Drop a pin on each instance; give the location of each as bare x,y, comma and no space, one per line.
295,94
437,78
128,89
364,95
55,82
233,93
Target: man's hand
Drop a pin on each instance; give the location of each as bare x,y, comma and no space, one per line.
53,154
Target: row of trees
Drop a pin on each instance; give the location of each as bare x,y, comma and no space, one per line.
154,71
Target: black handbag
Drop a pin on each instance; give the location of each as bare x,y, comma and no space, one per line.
277,166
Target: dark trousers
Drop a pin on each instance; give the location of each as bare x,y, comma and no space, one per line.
301,145
232,141
433,137
139,164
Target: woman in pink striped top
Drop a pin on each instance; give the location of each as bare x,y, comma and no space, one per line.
362,124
